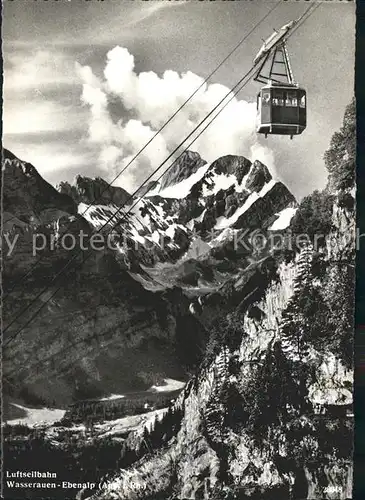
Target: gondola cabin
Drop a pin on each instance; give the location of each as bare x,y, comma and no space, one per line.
281,109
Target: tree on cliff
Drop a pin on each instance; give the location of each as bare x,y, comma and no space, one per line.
314,214
340,158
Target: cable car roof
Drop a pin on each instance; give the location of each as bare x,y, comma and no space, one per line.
281,86
273,40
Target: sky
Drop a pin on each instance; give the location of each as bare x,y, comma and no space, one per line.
88,83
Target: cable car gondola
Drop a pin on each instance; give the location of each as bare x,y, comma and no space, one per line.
281,103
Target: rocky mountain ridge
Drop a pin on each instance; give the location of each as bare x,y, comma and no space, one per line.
89,191
27,197
269,413
216,453
129,302
264,335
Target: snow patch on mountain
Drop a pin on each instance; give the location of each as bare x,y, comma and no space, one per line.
218,182
283,220
183,188
226,235
170,231
136,236
221,181
223,222
97,215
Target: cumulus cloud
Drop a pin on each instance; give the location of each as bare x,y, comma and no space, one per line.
148,101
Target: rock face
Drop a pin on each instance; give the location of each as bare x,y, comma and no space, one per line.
28,197
112,319
264,333
187,164
243,433
89,191
258,177
236,165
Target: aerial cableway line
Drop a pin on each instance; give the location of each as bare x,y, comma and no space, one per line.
218,109
281,103
159,131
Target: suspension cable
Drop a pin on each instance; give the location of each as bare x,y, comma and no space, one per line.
239,86
152,138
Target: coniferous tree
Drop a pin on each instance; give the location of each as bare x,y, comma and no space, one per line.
340,158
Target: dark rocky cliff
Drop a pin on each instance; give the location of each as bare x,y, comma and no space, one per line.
90,191
269,413
263,333
112,320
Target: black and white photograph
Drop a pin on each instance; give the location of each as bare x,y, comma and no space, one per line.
178,223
